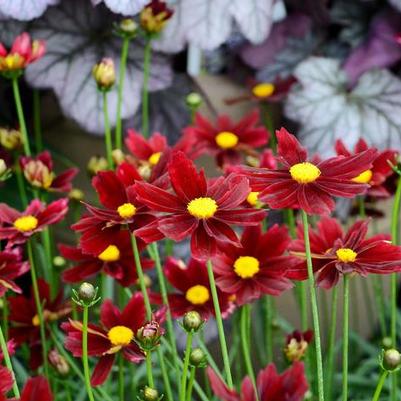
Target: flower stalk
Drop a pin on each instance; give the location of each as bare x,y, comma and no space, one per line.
107,132
85,360
145,91
345,337
183,387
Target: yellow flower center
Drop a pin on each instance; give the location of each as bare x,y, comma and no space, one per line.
126,210
226,140
202,208
26,223
304,173
197,295
364,177
346,255
110,254
252,198
13,62
263,90
246,266
120,335
154,158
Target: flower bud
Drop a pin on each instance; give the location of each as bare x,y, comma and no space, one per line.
391,359
87,291
193,100
148,336
128,26
150,394
96,164
297,345
38,174
192,321
76,194
147,280
197,358
3,167
104,74
59,362
154,16
59,261
118,156
10,139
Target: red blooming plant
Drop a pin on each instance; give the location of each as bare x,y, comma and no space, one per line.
25,319
6,382
258,267
335,253
198,209
17,227
193,290
12,266
381,168
116,260
115,334
226,140
297,344
308,185
290,385
38,171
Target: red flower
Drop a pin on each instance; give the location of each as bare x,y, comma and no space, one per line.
226,140
203,211
193,287
115,334
115,260
335,253
39,173
23,52
307,185
380,171
11,267
258,268
6,382
24,316
297,345
37,388
291,385
18,227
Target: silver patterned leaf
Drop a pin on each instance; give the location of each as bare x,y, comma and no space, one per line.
327,110
125,7
25,10
77,37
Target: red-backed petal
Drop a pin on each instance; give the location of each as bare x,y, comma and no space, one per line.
102,370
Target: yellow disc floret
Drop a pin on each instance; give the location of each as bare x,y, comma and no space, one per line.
364,177
304,173
154,158
346,255
252,198
110,254
126,210
246,266
26,223
226,140
263,90
197,295
120,335
202,208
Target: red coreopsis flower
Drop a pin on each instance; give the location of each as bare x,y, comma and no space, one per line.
380,171
226,140
38,171
116,260
116,333
6,382
297,344
36,388
291,385
193,290
154,17
25,320
258,267
11,267
309,185
17,227
199,209
335,253
23,52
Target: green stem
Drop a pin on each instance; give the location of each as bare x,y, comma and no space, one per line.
107,132
267,119
36,121
21,118
5,318
191,383
268,328
123,66
39,309
379,387
46,241
121,377
381,308
145,92
332,343
149,373
315,312
361,206
85,360
184,377
245,347
166,380
220,327
345,336
21,184
7,360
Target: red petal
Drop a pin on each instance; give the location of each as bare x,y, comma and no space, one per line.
102,370
289,148
35,389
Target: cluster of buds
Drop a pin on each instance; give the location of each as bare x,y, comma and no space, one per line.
86,296
297,345
104,74
154,17
148,336
10,139
23,52
59,362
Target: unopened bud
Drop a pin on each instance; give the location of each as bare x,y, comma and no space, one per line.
118,156
76,194
128,26
150,394
148,335
391,359
147,281
197,358
192,321
59,261
10,139
3,167
194,100
96,164
154,16
59,362
104,74
87,291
